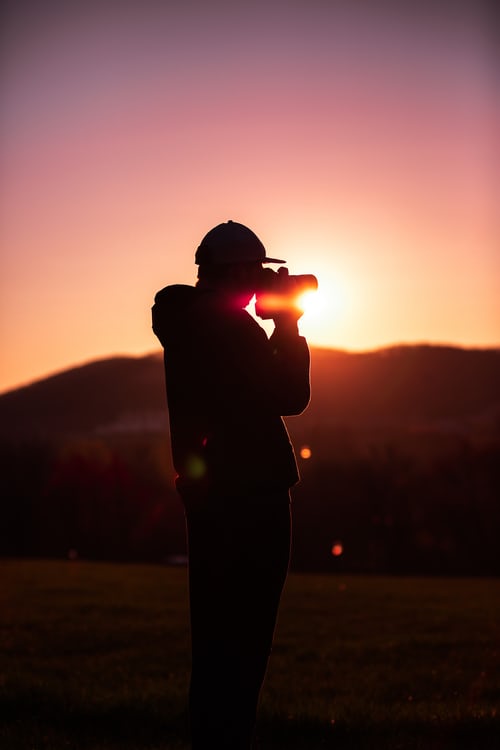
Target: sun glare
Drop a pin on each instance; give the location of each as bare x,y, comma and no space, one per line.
308,301
324,309
327,311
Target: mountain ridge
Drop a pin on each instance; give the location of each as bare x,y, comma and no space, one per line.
398,385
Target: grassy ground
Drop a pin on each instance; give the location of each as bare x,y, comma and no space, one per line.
96,656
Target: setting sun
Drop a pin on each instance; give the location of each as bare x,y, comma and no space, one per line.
308,301
326,309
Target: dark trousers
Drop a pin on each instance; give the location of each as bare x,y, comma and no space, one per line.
239,549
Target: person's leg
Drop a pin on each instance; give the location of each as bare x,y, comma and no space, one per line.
209,593
262,575
238,565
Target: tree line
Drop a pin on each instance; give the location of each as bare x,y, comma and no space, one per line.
376,511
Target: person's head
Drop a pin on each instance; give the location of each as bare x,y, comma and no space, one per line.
230,258
237,280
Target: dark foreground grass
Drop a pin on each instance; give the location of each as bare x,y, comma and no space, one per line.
96,656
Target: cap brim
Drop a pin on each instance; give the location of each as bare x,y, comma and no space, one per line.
272,260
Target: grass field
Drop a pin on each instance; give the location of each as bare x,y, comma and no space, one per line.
97,656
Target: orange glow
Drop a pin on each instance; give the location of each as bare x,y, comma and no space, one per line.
305,452
337,549
373,182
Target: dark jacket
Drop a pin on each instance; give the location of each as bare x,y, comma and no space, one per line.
228,386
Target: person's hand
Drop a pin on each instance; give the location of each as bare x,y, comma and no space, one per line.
278,300
286,318
286,321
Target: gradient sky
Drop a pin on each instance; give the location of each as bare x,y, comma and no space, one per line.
357,139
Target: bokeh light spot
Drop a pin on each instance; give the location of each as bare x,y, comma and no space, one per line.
305,452
337,549
196,467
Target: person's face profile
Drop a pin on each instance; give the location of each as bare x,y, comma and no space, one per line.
245,280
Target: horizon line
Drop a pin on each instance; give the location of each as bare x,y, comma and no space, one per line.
314,347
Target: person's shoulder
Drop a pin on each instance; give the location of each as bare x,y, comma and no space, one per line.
232,325
175,294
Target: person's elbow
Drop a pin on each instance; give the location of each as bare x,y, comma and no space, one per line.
298,403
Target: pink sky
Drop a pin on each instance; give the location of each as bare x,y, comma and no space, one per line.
356,139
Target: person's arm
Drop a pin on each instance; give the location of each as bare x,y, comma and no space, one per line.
291,364
247,373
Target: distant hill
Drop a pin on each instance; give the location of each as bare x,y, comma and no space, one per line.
398,388
402,463
95,396
407,384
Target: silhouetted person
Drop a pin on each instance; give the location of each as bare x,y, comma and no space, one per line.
228,386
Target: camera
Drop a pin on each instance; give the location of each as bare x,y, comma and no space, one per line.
278,291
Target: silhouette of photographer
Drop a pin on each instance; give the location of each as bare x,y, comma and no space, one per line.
228,386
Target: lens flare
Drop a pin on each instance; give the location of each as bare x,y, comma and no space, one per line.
307,302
